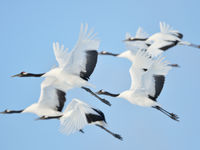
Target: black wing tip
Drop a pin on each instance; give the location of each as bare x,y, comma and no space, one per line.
61,98
100,113
95,117
92,56
180,35
159,83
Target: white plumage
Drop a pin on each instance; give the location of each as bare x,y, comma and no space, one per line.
79,114
141,72
74,117
165,39
72,63
75,66
136,43
147,76
50,103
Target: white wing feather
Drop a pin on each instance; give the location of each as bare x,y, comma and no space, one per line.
60,54
142,61
159,67
48,96
127,35
77,56
134,46
141,33
166,28
154,50
74,118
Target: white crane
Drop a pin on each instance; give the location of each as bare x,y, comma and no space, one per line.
148,77
133,44
76,66
75,117
78,114
163,40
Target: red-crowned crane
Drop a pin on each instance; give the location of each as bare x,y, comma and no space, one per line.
148,77
74,67
74,118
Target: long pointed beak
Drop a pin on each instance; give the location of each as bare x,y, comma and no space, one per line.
39,118
17,75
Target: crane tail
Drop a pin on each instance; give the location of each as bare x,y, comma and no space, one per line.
189,44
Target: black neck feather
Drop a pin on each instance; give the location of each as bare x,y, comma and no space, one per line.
110,94
33,75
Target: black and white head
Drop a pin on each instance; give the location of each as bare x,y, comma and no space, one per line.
43,118
6,111
11,111
21,74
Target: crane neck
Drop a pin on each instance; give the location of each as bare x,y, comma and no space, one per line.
33,75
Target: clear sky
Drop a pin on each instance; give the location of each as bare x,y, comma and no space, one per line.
27,31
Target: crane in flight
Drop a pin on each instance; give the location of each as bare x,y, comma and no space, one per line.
148,77
133,44
74,67
163,40
77,114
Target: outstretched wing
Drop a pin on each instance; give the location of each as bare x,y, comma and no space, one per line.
83,56
141,34
159,46
139,67
77,115
50,96
91,60
166,28
138,42
61,54
155,77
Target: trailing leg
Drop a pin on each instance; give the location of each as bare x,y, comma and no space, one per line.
113,134
102,92
101,99
171,115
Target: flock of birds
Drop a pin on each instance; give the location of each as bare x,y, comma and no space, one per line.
148,71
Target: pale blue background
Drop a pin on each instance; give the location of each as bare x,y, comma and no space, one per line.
27,30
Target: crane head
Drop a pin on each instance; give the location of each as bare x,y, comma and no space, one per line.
42,118
5,111
21,74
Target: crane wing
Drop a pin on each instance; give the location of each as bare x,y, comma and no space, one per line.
50,96
77,115
141,64
135,45
141,34
166,28
91,60
159,46
83,57
155,77
61,54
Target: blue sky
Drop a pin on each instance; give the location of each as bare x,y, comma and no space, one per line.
27,31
